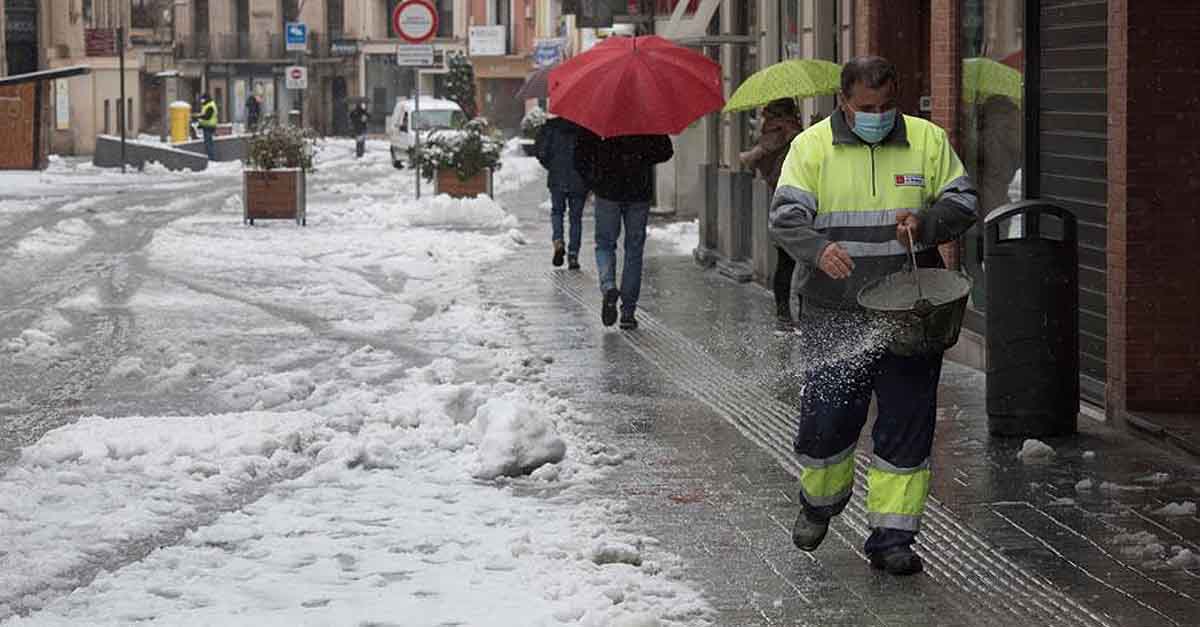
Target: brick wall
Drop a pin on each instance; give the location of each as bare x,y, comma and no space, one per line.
1154,206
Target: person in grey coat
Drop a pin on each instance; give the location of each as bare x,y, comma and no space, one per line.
555,150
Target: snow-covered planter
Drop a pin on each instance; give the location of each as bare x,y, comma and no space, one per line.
274,185
531,125
460,162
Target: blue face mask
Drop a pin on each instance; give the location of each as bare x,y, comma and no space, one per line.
873,127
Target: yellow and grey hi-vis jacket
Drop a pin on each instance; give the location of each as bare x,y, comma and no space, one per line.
837,188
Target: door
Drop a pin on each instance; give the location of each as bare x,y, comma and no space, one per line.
341,111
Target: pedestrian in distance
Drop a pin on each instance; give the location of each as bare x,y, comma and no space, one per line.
253,112
207,121
781,124
358,125
620,172
555,149
853,190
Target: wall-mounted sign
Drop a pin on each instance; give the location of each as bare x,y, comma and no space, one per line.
343,48
62,104
296,35
488,41
548,52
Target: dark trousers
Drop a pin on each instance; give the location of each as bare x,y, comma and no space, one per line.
834,405
784,268
360,145
564,203
209,149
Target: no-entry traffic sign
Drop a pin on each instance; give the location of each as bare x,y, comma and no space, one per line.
415,21
296,77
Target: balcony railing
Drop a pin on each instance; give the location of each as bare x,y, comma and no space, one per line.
245,46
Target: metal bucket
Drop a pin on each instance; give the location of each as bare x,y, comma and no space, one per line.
919,328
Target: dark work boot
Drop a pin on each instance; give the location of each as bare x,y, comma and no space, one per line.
608,309
559,251
572,262
628,322
898,560
808,532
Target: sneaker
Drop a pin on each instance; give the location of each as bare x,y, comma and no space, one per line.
559,251
628,322
807,533
572,262
608,310
900,561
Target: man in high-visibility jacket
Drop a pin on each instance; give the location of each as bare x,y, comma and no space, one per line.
207,121
854,188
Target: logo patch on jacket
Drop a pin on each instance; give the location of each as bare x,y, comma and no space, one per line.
910,180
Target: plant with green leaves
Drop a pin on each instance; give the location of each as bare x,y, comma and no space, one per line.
276,145
460,83
533,122
467,151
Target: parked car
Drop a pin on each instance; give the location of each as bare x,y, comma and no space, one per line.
403,123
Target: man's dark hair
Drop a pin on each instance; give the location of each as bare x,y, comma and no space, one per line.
872,72
783,107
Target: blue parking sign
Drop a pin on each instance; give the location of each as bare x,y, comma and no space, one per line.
296,35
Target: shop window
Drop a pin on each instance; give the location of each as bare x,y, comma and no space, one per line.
990,123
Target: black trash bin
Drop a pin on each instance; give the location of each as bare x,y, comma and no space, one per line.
1031,259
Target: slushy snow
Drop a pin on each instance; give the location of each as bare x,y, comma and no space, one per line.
1035,451
376,447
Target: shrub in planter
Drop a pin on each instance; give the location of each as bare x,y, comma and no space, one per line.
531,125
461,160
273,181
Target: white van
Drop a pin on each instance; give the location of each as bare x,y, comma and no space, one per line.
404,121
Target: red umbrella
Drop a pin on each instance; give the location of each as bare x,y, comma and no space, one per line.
636,86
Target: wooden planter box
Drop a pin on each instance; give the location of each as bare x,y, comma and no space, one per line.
274,195
447,182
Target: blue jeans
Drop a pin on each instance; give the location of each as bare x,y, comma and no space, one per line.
209,149
610,215
559,200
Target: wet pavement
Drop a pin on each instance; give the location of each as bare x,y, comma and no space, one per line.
702,400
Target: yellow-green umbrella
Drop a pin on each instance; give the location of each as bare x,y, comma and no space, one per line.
984,78
798,78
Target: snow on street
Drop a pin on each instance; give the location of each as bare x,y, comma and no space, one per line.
294,426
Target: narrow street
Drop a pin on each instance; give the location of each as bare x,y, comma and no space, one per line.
207,423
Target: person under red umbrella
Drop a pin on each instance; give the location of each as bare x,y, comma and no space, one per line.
629,93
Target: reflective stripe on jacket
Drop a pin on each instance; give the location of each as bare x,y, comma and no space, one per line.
836,188
208,114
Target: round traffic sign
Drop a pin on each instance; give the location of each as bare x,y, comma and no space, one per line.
415,21
297,73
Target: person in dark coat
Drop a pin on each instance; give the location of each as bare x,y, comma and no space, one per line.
620,171
781,124
555,150
253,112
358,125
